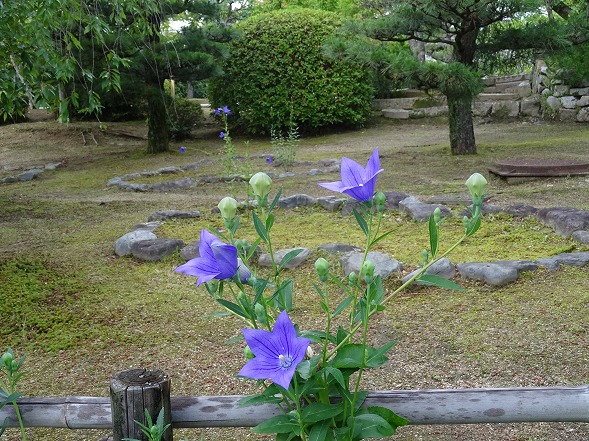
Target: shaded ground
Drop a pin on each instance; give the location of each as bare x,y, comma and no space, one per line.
82,315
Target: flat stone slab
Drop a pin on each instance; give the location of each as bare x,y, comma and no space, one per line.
538,168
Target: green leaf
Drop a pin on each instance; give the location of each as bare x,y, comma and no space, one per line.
288,257
269,222
473,226
377,357
315,412
435,280
275,200
336,374
284,423
361,222
251,400
351,356
369,425
434,239
387,414
233,307
381,237
320,432
342,306
260,228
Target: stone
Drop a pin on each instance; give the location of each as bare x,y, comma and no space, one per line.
553,102
266,260
482,108
149,226
443,268
155,249
583,101
428,112
384,264
573,259
29,175
564,221
173,214
190,251
549,263
168,170
523,89
331,203
53,166
560,90
393,199
396,113
520,210
505,109
568,102
336,248
124,243
581,236
583,115
134,187
490,273
420,210
115,181
176,184
297,200
9,179
567,114
530,107
579,91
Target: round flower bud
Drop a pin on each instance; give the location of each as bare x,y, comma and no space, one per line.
260,183
437,215
368,271
260,313
247,352
353,278
7,359
322,268
380,199
228,208
466,221
477,185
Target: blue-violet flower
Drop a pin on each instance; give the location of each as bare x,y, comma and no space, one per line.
357,181
277,353
217,260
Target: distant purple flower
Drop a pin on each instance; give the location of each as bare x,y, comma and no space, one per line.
269,159
226,110
217,110
182,149
357,181
222,135
277,353
217,260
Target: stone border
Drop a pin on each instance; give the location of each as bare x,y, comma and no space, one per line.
30,173
326,166
143,244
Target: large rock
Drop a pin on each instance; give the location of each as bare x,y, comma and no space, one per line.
297,200
565,221
420,210
266,260
384,264
495,273
155,249
336,248
124,243
176,184
573,259
331,203
29,175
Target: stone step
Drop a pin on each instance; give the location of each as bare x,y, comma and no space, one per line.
497,97
396,113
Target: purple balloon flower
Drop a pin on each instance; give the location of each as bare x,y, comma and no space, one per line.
277,353
217,260
222,135
357,181
226,110
182,149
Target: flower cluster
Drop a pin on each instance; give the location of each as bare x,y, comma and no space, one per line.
302,370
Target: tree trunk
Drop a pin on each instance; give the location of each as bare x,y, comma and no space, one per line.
462,140
158,137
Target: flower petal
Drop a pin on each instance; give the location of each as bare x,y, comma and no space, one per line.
199,267
353,174
333,186
226,257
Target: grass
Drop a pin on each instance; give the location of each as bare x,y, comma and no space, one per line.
82,314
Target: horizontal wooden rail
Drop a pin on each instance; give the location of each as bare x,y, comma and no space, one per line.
446,406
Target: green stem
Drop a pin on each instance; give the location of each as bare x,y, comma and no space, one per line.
20,421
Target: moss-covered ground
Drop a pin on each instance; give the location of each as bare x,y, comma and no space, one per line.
81,314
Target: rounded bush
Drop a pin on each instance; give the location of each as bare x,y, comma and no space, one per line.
277,76
184,115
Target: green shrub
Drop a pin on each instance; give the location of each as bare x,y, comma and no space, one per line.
184,115
276,75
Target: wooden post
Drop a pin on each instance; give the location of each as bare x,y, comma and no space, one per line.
131,393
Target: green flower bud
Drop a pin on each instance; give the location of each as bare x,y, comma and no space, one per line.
380,199
260,183
247,352
424,256
7,359
353,278
368,271
466,222
322,268
437,215
260,313
477,186
228,208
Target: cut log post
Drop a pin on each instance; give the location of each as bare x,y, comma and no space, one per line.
133,392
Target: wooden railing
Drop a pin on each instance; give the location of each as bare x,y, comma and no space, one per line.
447,406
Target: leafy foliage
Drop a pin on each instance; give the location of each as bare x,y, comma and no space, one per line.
277,75
184,115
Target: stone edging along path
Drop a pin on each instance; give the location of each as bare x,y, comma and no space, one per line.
143,243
